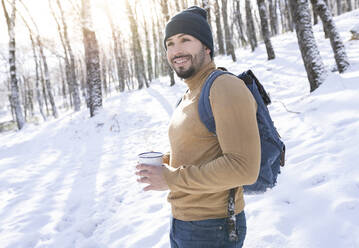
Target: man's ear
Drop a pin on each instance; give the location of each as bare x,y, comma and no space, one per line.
208,51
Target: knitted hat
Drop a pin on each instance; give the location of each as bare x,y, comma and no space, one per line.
192,21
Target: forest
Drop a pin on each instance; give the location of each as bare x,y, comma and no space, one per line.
58,56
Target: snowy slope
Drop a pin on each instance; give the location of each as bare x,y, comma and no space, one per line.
70,182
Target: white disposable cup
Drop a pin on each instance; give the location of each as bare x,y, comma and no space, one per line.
151,158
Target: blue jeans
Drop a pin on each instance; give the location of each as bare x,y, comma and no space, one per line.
212,233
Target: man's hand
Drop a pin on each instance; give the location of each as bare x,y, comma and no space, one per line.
153,175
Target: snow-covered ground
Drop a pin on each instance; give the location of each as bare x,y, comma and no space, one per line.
70,183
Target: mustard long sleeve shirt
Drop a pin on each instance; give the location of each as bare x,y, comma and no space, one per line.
203,166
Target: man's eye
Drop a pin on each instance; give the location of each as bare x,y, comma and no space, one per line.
169,44
184,40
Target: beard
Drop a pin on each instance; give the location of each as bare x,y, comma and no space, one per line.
196,60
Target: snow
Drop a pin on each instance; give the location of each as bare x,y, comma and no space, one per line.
69,182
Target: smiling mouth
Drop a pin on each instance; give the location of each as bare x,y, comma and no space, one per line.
180,60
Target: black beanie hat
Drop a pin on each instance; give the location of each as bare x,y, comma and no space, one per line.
192,21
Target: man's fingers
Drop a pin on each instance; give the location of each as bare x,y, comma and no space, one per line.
145,167
143,180
148,188
142,173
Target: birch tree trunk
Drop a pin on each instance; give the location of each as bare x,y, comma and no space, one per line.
75,92
227,32
251,33
217,13
14,97
164,6
63,84
265,29
37,79
288,14
140,70
47,79
340,55
239,23
339,7
43,85
93,73
116,51
148,52
156,53
207,6
310,54
273,16
103,66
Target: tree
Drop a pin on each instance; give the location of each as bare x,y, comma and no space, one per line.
46,71
148,52
227,33
340,55
217,13
167,17
273,16
74,89
37,78
14,97
239,23
92,58
207,6
265,29
310,54
251,32
339,7
116,50
137,49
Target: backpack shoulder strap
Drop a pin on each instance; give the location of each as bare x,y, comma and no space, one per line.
204,106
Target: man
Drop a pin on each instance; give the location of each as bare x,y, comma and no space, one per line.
203,167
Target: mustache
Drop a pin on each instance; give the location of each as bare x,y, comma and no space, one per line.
181,56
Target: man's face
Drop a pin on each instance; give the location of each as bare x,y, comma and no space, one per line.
186,54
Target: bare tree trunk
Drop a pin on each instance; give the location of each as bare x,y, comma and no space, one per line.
349,5
66,57
217,13
251,33
45,74
339,7
37,78
207,6
63,85
137,50
116,52
288,15
15,98
74,85
273,16
167,17
265,29
239,23
47,79
184,4
149,55
227,33
340,55
155,45
310,54
103,66
92,58
315,16
83,82
43,85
